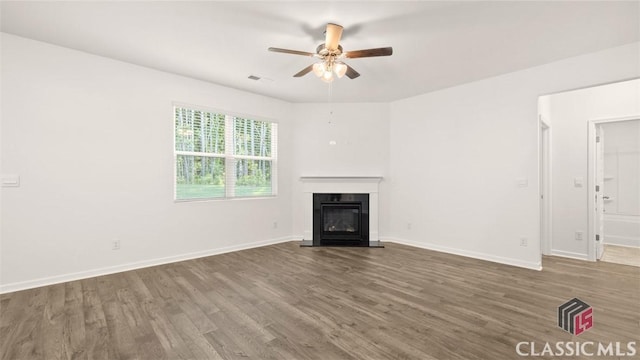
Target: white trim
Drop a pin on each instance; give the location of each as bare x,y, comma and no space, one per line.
371,179
243,157
472,254
235,198
196,153
591,177
30,284
545,186
229,163
274,161
614,119
569,254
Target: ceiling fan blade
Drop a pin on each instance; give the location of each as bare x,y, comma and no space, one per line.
332,36
304,71
351,73
294,52
386,51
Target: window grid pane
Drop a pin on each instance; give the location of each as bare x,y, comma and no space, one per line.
252,137
253,178
199,177
199,131
206,168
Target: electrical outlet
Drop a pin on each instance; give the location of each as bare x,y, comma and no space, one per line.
409,226
115,245
579,235
275,224
523,241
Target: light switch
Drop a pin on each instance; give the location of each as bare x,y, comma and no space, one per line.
577,182
522,182
10,180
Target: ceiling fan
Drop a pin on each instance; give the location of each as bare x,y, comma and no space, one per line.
331,55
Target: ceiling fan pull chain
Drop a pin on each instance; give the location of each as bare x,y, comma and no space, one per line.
329,97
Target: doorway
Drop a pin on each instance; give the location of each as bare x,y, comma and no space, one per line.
608,188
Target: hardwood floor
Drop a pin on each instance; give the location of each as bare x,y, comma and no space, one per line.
287,302
621,255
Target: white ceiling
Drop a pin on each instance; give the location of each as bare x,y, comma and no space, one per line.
436,44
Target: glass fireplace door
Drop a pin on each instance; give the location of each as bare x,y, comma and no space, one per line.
341,219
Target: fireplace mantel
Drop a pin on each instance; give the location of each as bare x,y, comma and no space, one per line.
341,184
341,178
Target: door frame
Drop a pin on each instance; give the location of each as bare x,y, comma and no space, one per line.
591,178
544,171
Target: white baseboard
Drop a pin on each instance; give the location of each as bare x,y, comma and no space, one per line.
30,284
471,254
569,254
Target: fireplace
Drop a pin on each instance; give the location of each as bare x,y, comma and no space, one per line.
350,210
340,219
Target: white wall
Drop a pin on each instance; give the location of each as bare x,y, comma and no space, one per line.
91,139
460,157
570,113
361,135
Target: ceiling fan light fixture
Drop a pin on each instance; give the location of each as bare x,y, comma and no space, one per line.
330,55
327,76
340,69
318,69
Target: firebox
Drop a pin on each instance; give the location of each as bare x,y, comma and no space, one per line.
340,219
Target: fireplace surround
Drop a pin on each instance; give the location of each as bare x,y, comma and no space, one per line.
347,204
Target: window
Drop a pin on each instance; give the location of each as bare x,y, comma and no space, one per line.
223,156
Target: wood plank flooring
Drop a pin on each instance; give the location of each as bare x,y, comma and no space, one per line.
621,255
287,302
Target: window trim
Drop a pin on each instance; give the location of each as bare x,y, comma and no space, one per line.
228,154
